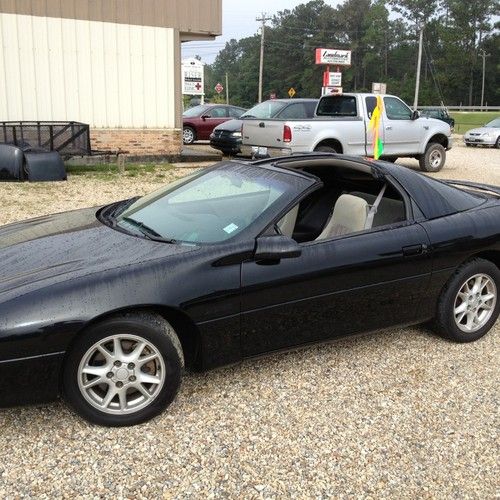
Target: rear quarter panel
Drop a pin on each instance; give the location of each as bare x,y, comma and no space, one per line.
456,239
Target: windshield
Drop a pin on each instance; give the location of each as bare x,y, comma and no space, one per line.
494,123
210,207
264,110
192,112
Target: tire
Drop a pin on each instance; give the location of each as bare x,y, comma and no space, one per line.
497,144
455,301
467,144
326,149
433,159
188,135
132,401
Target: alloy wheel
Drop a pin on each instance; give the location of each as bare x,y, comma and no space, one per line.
121,374
475,303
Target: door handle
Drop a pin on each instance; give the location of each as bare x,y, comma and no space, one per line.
415,250
388,127
262,125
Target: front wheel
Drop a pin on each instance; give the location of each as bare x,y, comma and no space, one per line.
124,371
434,158
497,144
469,306
188,135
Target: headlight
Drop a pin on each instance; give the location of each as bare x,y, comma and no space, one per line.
236,134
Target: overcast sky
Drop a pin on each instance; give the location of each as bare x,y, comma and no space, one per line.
238,22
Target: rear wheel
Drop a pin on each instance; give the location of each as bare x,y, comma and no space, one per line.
188,135
125,370
434,158
326,149
469,306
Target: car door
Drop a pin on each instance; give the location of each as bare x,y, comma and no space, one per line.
402,134
213,117
345,285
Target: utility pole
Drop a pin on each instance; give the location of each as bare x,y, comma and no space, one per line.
263,20
227,88
419,66
484,55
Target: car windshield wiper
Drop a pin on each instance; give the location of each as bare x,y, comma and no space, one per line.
146,231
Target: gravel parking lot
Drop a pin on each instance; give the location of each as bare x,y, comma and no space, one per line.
399,414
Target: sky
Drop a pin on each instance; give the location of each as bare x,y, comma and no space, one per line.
238,22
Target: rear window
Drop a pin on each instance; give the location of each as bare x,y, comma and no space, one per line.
337,105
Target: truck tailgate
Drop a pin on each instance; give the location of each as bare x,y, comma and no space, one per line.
267,133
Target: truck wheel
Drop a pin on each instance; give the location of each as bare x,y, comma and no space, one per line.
326,149
433,159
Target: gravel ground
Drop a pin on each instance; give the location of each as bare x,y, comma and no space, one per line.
399,414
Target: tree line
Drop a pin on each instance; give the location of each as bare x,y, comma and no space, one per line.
383,37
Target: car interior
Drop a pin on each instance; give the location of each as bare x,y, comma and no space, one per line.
351,200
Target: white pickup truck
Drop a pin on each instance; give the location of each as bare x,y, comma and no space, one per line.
341,126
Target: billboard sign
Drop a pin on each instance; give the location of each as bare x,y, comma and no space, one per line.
335,57
193,77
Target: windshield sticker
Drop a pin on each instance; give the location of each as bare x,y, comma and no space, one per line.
231,228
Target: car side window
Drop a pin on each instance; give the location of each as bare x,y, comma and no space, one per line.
293,112
371,104
218,113
396,109
235,112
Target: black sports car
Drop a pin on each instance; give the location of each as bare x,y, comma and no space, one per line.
108,306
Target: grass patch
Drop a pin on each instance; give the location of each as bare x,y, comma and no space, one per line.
465,121
109,171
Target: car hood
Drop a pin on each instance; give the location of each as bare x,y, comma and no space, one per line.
230,126
483,130
55,248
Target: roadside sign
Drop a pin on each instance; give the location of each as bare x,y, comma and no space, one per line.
291,92
379,88
332,91
332,79
219,88
334,57
193,77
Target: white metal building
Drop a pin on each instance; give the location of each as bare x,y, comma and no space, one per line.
114,64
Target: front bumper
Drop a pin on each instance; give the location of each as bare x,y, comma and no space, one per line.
226,144
479,140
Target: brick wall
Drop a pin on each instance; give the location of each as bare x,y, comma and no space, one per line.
140,142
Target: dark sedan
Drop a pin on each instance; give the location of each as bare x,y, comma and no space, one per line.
227,136
439,114
199,122
108,306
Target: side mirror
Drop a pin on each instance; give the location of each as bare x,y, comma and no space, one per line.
277,248
204,117
415,115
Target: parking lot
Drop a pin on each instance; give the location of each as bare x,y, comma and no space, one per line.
400,413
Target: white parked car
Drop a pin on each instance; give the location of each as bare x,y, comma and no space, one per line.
489,135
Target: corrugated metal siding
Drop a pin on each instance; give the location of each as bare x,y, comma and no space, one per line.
195,16
105,74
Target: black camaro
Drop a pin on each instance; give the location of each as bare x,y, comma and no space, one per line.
108,306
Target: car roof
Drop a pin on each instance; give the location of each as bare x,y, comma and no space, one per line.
435,198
